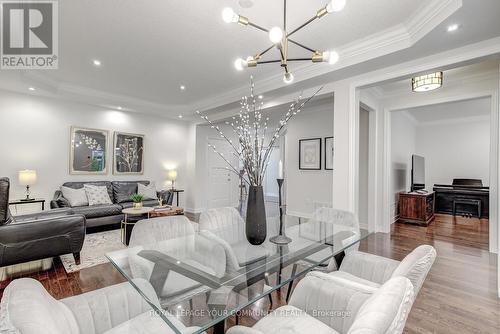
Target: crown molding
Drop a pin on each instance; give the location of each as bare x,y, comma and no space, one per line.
461,120
397,38
410,117
450,81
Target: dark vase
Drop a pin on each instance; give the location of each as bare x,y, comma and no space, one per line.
256,227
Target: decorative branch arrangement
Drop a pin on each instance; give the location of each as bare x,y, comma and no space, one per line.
255,139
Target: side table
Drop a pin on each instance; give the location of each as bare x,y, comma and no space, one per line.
177,191
127,226
36,200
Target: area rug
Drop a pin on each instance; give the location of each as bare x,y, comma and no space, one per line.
95,246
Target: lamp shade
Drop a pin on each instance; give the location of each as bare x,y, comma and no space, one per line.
27,177
172,175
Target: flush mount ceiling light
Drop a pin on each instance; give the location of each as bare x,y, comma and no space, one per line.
280,38
96,62
428,82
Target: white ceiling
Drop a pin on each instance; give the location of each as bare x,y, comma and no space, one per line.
148,48
452,111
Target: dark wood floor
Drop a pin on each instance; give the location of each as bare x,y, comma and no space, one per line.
459,295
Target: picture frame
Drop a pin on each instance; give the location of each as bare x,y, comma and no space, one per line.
88,151
310,154
128,153
329,153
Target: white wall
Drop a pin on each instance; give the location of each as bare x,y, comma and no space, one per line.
452,147
403,145
304,188
459,149
35,134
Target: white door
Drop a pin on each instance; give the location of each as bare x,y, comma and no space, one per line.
270,183
222,183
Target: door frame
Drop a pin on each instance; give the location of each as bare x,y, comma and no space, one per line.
493,156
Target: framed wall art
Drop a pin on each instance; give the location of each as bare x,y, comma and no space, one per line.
88,151
329,153
128,153
310,154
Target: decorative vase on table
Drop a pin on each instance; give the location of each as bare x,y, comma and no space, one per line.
253,146
256,225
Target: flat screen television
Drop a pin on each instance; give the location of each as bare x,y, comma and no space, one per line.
417,173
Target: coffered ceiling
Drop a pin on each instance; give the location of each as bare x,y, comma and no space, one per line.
149,48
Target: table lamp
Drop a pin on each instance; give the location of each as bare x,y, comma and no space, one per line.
172,176
27,178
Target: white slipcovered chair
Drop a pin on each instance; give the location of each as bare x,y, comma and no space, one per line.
334,222
174,236
322,304
226,226
27,308
373,270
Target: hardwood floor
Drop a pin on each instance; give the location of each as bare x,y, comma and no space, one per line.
459,295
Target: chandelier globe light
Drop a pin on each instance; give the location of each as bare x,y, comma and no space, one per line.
281,37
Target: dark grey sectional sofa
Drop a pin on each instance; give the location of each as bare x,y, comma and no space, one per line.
119,192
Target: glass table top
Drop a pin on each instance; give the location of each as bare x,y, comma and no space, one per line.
200,278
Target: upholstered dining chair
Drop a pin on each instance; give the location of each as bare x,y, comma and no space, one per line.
373,270
323,304
27,308
334,221
226,227
174,236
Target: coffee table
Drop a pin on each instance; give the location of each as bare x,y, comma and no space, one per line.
164,212
126,225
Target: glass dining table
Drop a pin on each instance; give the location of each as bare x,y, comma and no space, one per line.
204,277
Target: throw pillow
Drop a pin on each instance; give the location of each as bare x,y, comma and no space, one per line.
123,191
149,192
97,194
75,197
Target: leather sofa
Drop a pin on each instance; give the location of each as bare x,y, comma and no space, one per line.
38,236
119,193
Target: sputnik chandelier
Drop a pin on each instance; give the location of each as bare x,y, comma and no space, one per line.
281,38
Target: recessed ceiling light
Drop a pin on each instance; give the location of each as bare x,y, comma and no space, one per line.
180,116
32,89
96,62
261,97
119,108
453,27
182,87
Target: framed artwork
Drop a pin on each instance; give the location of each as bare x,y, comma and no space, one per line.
329,153
128,153
88,151
310,154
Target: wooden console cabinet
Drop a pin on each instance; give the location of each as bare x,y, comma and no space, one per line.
415,208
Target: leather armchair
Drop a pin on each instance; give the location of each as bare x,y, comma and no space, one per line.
37,236
373,270
323,304
27,308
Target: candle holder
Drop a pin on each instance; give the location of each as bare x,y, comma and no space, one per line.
281,238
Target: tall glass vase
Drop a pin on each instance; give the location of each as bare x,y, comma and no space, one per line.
256,227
